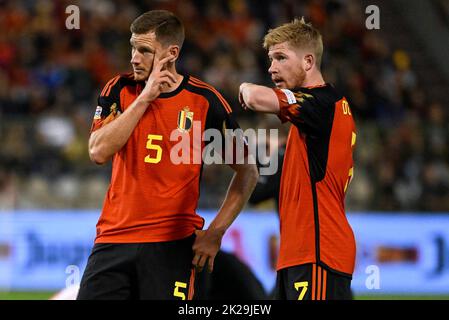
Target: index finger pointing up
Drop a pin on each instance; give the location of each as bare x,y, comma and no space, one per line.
155,61
161,63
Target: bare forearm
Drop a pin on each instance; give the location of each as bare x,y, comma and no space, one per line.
108,140
240,189
259,98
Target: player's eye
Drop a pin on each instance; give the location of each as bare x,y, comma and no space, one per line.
145,51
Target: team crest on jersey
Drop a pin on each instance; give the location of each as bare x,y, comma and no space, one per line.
185,119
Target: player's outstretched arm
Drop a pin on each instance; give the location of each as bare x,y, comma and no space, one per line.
109,139
258,98
208,242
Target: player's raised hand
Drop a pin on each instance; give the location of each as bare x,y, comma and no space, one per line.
159,76
205,248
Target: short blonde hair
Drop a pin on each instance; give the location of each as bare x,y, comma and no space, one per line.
298,34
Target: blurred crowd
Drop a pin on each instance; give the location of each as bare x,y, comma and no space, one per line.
50,78
443,9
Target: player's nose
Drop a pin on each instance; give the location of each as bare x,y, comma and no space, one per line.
272,68
135,58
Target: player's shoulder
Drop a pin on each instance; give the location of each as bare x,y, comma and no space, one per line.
198,86
325,92
208,91
324,95
117,83
196,82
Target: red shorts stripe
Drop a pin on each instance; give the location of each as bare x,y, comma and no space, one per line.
318,295
191,285
324,284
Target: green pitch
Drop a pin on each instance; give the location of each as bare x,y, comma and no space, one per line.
25,295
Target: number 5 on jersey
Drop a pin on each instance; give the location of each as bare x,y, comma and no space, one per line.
152,146
179,285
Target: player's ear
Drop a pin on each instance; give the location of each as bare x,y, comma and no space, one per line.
308,61
174,51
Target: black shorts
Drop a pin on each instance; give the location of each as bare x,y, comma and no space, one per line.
159,270
231,280
311,282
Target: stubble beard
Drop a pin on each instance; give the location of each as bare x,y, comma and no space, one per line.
141,76
300,77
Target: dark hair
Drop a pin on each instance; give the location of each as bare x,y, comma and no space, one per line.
168,28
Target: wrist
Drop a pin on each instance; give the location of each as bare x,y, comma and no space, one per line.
220,231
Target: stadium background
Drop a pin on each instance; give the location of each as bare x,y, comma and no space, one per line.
395,78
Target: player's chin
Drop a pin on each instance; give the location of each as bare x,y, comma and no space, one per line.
280,85
140,75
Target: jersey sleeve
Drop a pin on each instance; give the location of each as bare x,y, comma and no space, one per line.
221,118
304,110
108,105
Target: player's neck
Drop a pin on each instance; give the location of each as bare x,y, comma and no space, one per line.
178,77
313,79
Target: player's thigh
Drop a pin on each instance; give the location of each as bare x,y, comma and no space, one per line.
312,282
232,279
108,274
297,282
279,292
338,287
165,270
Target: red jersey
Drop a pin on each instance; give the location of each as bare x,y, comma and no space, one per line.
150,198
317,169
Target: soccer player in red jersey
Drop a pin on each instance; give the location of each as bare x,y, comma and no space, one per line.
149,238
317,246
